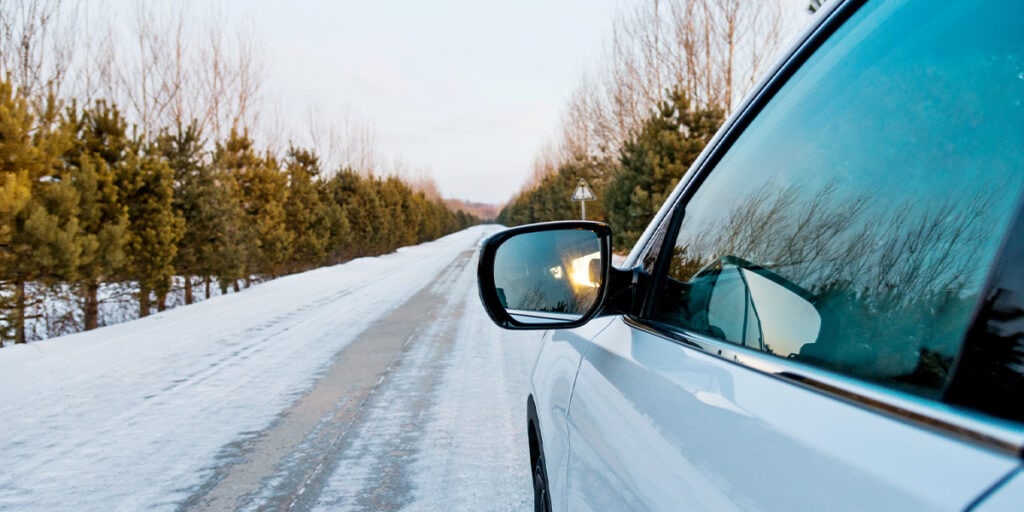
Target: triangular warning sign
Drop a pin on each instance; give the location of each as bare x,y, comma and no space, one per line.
583,192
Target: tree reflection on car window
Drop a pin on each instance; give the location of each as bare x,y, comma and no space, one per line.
880,180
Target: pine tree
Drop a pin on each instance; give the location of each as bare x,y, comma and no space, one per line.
339,232
234,240
306,217
103,223
551,198
200,201
363,212
237,247
394,224
267,189
38,224
428,224
98,150
261,190
653,162
154,227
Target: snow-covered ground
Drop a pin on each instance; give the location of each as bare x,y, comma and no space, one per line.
150,414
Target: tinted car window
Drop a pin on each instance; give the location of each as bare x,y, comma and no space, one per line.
852,224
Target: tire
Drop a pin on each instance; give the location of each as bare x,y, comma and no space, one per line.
541,498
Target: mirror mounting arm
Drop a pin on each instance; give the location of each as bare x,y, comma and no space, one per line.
625,292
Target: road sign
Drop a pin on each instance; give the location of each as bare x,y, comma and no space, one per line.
583,192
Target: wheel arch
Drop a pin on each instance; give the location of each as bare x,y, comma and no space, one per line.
533,430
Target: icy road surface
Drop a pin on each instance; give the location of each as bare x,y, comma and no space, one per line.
379,384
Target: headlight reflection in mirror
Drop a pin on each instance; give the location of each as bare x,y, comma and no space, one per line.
581,273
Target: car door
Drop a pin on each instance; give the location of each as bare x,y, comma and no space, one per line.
823,264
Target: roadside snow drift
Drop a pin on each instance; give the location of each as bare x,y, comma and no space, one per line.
136,416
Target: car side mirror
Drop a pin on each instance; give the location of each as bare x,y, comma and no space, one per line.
545,276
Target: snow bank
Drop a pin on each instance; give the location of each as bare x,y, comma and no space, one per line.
133,416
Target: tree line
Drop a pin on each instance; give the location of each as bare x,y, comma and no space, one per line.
631,187
138,151
86,200
632,128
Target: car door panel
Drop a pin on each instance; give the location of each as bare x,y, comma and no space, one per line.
1007,497
554,375
656,425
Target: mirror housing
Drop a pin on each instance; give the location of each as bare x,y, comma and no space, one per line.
552,275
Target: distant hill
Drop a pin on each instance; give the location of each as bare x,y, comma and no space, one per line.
482,210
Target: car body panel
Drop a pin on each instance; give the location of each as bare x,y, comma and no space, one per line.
1008,497
554,376
657,425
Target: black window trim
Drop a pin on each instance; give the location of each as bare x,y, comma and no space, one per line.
958,421
997,318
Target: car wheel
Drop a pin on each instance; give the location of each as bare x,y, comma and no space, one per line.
541,500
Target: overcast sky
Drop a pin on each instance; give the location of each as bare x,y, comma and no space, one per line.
469,89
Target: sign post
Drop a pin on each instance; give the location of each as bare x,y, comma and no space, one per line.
583,194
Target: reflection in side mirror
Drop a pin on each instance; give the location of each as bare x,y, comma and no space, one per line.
760,310
544,276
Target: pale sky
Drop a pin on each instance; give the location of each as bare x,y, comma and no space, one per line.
469,89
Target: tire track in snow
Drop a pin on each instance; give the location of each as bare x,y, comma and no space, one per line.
82,434
258,338
446,431
373,469
285,464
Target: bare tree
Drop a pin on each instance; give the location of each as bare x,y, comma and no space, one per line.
176,73
231,78
249,73
94,74
360,151
586,129
138,72
35,48
545,163
326,137
216,80
420,179
712,50
344,142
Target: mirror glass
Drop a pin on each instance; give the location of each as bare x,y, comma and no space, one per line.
549,276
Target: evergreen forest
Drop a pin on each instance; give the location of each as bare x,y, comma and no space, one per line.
87,200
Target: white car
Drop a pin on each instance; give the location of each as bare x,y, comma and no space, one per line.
826,314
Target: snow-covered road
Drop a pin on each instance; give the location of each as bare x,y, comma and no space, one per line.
379,384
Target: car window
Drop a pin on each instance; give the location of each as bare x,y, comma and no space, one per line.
851,225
